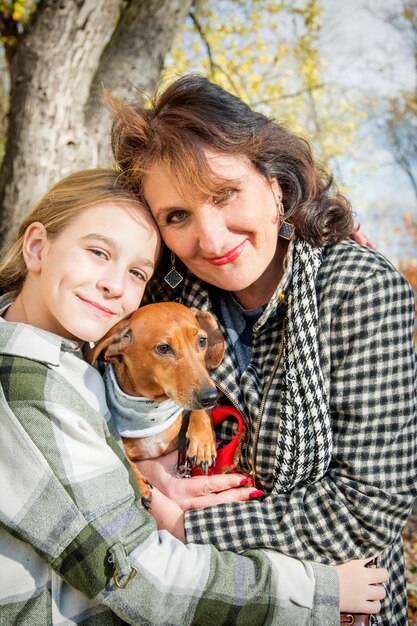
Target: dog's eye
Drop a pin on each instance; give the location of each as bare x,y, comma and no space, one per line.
202,342
163,348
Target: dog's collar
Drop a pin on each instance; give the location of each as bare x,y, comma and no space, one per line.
137,416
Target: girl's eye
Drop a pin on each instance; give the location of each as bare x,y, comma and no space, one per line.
100,253
139,274
176,217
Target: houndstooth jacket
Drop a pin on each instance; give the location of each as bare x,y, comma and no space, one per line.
361,504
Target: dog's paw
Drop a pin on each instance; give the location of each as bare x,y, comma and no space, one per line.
145,489
146,502
201,448
202,454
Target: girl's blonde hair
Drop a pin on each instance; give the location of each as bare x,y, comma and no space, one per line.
58,207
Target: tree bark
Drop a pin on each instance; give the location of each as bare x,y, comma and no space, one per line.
134,58
57,123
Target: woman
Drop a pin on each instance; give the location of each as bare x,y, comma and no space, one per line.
320,358
76,547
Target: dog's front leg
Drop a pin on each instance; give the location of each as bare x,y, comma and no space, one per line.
201,448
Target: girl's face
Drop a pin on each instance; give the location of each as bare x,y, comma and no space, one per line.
91,275
230,243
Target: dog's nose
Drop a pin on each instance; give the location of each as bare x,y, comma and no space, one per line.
207,397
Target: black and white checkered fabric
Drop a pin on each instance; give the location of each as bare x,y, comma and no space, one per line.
305,429
368,362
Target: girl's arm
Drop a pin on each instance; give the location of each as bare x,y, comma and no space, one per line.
360,588
67,502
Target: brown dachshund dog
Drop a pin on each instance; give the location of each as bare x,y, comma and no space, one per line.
163,352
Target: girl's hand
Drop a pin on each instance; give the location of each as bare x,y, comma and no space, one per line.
197,492
167,514
361,237
361,590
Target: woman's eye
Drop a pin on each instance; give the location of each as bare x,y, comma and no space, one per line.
224,196
202,342
176,217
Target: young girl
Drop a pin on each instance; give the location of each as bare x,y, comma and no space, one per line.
76,547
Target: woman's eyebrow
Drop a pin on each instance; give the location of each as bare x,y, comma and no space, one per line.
225,184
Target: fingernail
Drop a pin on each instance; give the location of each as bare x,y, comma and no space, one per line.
243,482
256,494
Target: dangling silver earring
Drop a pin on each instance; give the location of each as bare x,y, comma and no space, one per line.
286,230
173,278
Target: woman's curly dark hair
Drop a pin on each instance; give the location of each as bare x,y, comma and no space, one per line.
192,115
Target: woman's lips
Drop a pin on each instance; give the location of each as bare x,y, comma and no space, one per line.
230,256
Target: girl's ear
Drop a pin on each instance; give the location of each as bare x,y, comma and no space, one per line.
34,241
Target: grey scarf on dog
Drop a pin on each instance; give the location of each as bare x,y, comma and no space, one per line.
136,416
305,426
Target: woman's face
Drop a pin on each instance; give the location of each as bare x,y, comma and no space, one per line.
93,273
229,242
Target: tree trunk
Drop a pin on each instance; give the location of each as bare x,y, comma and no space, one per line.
134,58
57,123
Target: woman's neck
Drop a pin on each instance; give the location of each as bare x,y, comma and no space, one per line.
255,296
261,291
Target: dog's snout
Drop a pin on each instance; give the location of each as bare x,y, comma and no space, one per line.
207,397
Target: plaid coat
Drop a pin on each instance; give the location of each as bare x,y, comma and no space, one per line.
360,506
70,518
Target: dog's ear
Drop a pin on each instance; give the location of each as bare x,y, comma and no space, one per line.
113,344
216,344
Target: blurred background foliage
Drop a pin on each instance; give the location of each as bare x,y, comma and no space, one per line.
267,52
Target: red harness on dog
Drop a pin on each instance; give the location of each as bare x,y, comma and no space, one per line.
228,455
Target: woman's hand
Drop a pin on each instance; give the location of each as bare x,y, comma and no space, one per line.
197,492
361,590
361,237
